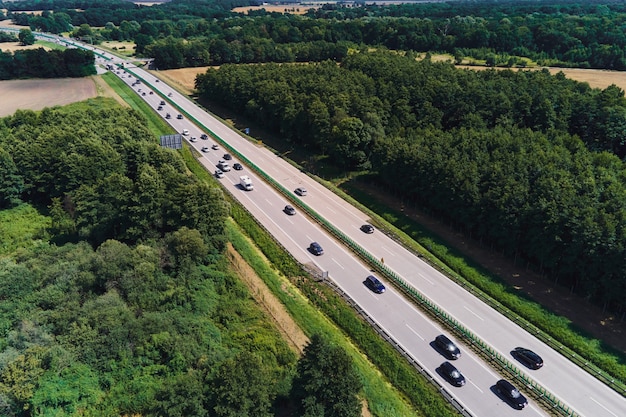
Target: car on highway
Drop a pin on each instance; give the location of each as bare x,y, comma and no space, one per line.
169,95
527,357
168,116
180,116
160,108
237,166
227,157
223,165
301,191
219,173
162,103
215,146
185,132
452,374
316,249
151,92
204,136
374,284
195,139
204,149
289,210
511,394
367,228
143,94
447,347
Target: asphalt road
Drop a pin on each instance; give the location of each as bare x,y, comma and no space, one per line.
408,327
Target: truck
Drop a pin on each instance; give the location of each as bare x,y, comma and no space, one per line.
246,183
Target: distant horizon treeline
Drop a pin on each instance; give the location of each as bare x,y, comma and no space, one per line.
40,63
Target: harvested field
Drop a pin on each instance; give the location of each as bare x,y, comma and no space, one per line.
16,46
38,94
285,8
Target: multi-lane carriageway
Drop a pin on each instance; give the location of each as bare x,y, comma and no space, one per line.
409,327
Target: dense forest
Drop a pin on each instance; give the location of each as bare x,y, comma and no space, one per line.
523,161
557,33
125,304
40,63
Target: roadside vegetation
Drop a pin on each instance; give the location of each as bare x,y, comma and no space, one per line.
120,293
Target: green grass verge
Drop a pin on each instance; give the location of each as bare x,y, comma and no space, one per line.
464,271
51,45
156,124
20,227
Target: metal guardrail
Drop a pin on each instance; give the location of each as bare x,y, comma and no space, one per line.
539,392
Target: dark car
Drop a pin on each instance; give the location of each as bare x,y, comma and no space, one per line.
367,228
448,348
204,136
511,394
160,108
301,191
180,116
151,92
289,210
316,249
227,156
237,166
527,357
162,103
374,284
168,116
452,374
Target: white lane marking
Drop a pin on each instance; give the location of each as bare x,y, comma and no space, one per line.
269,202
476,386
307,236
425,279
337,263
594,400
481,319
388,251
414,331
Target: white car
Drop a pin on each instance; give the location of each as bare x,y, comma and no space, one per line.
223,165
194,139
204,149
219,173
186,132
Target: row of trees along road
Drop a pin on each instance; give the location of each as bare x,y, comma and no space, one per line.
126,305
525,161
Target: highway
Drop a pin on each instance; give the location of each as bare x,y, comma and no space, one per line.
407,325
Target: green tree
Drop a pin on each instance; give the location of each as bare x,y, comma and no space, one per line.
326,382
242,387
26,37
11,183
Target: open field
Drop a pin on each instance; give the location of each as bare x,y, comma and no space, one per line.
38,94
284,8
15,46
